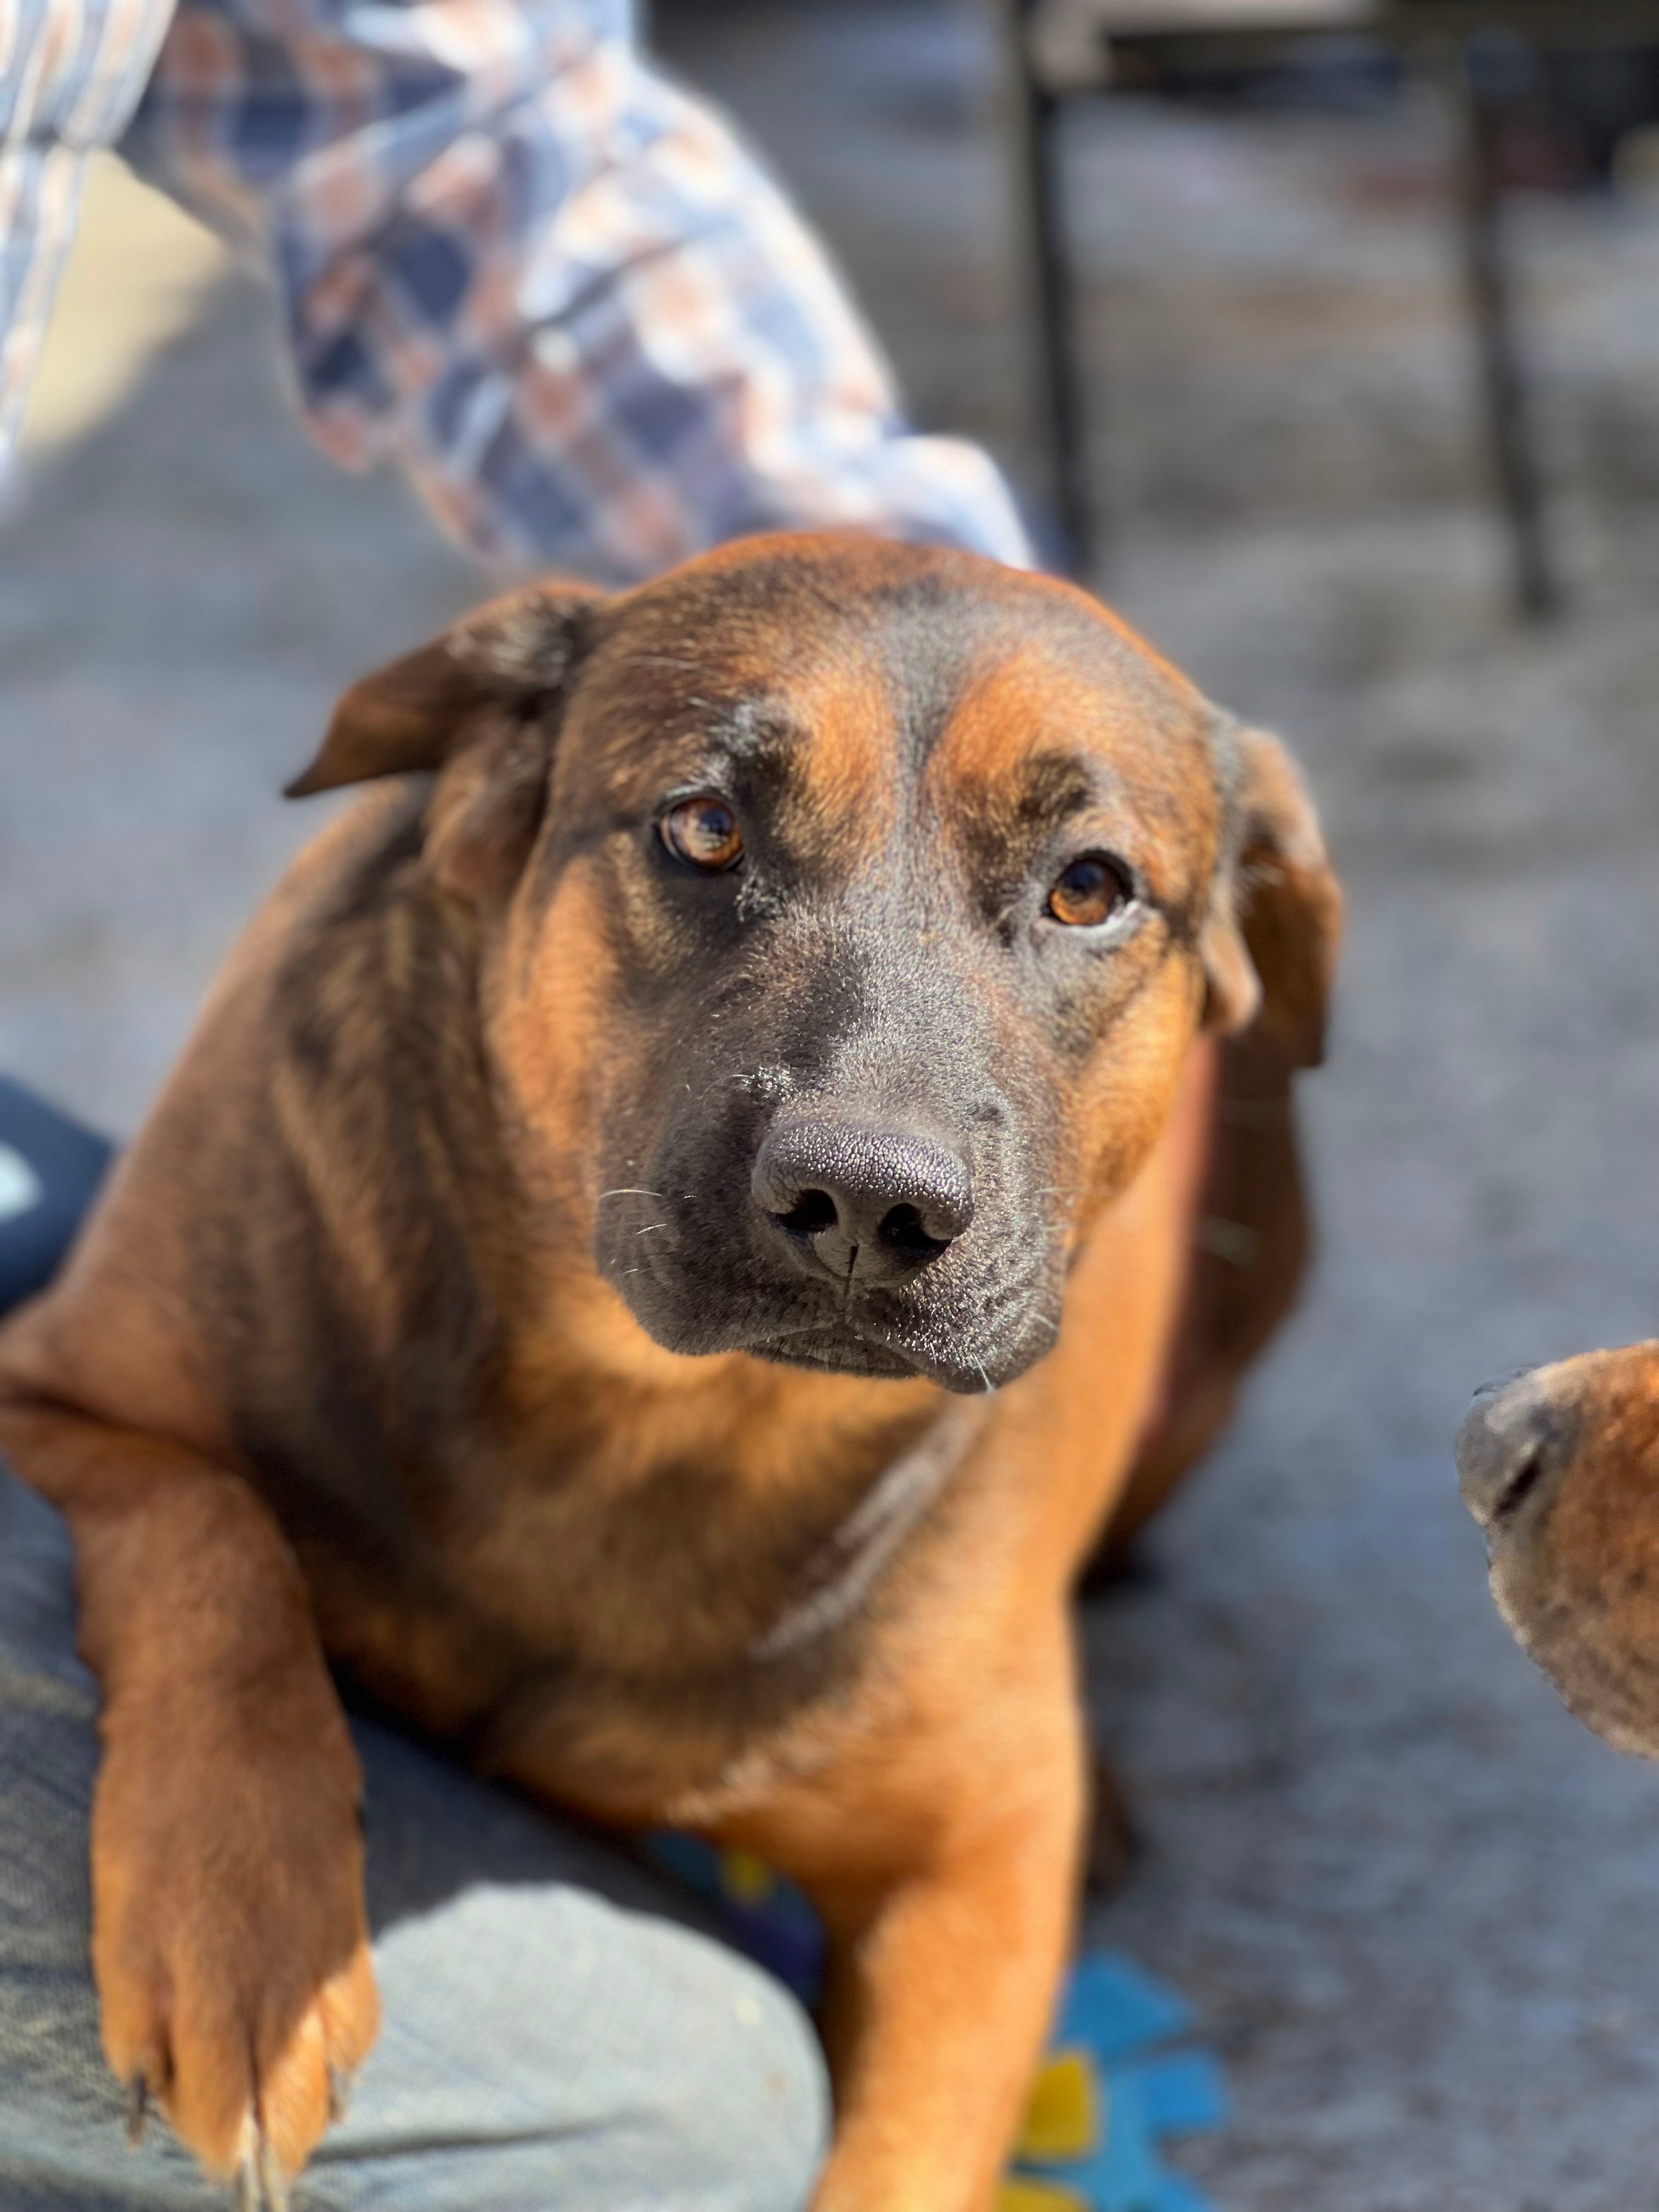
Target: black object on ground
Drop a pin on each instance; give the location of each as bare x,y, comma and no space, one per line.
50,1167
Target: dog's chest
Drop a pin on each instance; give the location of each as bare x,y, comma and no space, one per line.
669,1642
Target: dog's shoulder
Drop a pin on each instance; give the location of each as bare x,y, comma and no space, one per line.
255,1189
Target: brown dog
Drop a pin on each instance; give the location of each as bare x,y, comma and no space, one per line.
658,1261
1561,1468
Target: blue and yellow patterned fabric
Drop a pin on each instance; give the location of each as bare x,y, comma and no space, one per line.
1120,2075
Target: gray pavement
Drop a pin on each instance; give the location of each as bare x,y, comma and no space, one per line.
1414,1904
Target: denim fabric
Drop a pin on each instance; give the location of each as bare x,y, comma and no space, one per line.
558,2031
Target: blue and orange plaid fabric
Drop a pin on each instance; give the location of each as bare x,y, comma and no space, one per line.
515,259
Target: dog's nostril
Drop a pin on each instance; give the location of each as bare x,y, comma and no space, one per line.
1514,1450
904,1233
812,1212
866,1200
1520,1487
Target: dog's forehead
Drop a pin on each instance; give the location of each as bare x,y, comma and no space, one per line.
869,664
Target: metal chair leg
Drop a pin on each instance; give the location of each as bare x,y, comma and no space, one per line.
1038,179
1481,82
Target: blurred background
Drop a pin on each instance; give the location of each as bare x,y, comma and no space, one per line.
1417,1908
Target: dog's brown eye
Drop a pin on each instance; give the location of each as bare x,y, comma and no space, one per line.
1089,892
705,832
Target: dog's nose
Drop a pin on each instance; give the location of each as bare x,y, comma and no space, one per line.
862,1200
1515,1443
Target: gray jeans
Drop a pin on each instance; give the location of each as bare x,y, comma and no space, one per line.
558,2031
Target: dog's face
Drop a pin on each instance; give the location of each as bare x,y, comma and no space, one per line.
853,906
1561,1468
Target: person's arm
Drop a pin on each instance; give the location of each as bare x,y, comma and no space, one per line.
70,77
552,287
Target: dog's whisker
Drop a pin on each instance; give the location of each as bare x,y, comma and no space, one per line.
628,1190
662,660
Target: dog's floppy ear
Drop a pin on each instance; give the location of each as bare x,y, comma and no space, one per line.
480,704
1275,920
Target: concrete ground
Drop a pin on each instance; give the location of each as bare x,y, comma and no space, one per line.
1416,1906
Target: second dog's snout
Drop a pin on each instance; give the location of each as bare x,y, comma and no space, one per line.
862,1199
1514,1441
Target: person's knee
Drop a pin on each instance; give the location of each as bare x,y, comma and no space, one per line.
568,2050
749,2106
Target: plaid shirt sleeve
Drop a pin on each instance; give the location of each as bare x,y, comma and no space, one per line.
552,287
70,73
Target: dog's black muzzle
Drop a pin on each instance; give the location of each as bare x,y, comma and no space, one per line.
838,1236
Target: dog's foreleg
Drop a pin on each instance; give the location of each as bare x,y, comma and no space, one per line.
942,1982
229,1940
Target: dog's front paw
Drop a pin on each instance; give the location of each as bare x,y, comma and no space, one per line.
230,1943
